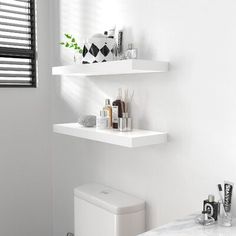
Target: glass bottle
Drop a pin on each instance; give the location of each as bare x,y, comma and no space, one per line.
108,109
102,121
131,53
204,219
117,110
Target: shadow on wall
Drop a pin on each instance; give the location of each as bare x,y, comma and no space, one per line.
81,18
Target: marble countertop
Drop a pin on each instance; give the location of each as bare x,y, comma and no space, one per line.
187,227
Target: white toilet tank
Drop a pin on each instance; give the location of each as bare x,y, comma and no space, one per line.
102,211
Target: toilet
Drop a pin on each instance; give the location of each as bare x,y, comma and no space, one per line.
103,211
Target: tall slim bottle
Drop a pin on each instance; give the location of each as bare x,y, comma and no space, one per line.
117,109
108,109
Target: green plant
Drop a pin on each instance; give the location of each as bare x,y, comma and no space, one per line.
71,43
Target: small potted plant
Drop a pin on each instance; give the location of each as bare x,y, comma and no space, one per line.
72,44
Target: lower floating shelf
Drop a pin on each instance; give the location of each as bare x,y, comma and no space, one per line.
135,138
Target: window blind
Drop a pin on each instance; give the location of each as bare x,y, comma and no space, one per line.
17,43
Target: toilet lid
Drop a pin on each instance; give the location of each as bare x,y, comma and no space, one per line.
108,198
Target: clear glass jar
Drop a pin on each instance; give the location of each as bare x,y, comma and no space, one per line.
224,218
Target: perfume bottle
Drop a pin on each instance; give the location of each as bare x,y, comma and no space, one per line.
211,207
108,109
102,120
204,219
117,110
131,53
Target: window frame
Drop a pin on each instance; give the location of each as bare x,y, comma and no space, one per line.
33,81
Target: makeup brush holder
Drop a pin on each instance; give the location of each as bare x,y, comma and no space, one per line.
125,124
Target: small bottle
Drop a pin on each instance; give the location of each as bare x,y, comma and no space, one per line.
131,53
108,109
102,120
211,206
117,110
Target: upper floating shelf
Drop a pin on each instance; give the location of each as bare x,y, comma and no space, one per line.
112,68
135,138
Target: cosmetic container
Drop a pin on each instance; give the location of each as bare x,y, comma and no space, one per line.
103,121
108,109
117,110
131,53
205,219
122,124
211,207
228,192
125,123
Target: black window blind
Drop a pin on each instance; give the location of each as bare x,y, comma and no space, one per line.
17,43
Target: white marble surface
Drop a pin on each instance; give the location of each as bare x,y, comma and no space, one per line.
188,227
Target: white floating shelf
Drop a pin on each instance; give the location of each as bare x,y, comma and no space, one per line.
135,138
112,68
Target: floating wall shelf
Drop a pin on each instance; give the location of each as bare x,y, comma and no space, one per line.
135,138
112,68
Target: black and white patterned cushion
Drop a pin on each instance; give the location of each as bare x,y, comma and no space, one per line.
99,50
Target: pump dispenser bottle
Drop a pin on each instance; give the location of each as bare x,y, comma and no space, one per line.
117,109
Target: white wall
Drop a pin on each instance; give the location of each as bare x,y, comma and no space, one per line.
195,102
25,156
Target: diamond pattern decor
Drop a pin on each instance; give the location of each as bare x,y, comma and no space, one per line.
99,50
104,50
85,51
94,50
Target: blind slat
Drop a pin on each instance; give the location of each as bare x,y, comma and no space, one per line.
14,75
14,69
13,5
13,82
22,1
14,37
15,50
14,25
14,44
14,63
14,31
14,12
14,18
